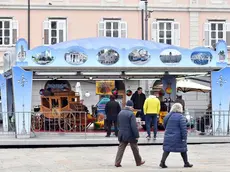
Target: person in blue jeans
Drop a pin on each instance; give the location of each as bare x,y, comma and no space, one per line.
151,108
149,120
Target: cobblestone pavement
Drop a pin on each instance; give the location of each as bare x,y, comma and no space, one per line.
206,158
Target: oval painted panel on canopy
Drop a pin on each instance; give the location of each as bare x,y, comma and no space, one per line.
139,56
201,57
76,56
108,56
170,56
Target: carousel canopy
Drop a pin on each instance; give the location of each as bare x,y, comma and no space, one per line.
133,57
121,43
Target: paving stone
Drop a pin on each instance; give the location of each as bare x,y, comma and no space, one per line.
206,158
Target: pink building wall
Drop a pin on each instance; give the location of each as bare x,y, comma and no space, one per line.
83,24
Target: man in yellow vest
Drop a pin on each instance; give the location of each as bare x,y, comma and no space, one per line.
151,108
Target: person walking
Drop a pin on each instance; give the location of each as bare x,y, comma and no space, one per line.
112,109
128,134
175,138
152,108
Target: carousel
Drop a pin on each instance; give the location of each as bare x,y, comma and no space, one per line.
94,61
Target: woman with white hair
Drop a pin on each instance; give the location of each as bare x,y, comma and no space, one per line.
175,138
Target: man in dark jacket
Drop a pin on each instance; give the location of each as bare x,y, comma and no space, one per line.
112,109
138,99
128,133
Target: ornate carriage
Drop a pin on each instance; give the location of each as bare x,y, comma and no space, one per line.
61,111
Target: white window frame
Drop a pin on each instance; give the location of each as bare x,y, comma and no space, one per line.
122,28
48,23
165,31
207,28
112,22
175,32
13,26
210,31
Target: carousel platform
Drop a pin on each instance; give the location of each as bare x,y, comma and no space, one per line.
92,139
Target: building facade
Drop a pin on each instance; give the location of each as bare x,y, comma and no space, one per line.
185,23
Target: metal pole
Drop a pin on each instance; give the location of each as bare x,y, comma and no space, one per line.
228,123
85,123
146,19
28,10
142,25
147,88
146,38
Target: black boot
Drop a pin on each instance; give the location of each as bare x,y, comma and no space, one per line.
185,159
162,165
188,165
164,157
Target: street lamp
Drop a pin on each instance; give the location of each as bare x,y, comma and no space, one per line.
142,7
143,4
28,24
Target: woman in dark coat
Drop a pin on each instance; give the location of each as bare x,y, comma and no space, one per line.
175,139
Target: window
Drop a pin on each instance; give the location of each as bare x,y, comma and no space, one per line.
215,31
8,32
54,31
112,28
166,31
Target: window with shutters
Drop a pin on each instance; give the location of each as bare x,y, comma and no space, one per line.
8,32
112,28
215,31
166,31
54,31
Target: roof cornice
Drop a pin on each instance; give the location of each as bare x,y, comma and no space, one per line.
118,8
